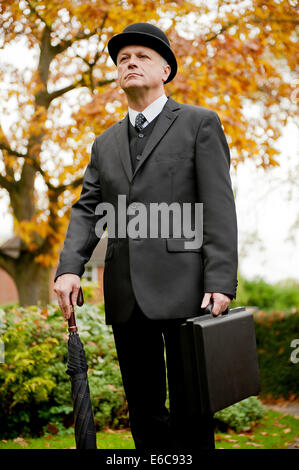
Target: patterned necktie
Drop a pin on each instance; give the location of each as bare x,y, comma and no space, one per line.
139,121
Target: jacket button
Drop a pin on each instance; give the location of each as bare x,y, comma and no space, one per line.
138,157
140,136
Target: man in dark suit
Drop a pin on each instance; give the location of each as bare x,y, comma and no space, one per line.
163,152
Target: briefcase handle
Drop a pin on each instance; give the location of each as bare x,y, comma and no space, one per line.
209,307
208,310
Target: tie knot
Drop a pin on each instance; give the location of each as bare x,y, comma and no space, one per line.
139,121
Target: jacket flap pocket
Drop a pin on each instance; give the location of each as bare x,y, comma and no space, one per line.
181,245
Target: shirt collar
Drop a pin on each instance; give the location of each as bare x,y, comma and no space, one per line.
151,111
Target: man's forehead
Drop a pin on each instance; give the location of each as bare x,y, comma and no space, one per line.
135,48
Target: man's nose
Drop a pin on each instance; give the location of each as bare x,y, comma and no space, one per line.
132,61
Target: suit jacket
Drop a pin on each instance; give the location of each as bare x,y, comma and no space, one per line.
186,159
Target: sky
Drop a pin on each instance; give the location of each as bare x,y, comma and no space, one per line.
267,204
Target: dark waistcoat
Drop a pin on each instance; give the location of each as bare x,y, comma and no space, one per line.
138,141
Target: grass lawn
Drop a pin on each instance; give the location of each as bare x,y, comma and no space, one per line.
105,440
275,431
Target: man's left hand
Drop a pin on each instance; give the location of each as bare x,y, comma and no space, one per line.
221,302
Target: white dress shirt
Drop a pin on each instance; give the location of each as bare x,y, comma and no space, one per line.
150,112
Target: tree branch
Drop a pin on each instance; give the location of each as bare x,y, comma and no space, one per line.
257,19
78,37
43,98
26,157
57,189
224,28
57,93
48,52
12,152
105,82
34,10
60,189
8,263
4,183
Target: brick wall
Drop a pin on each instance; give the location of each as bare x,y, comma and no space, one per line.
8,290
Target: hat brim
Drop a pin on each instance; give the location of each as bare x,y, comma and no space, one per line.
121,40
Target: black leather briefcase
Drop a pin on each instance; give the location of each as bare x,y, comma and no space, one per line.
220,359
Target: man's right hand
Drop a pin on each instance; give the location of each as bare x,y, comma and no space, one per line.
64,285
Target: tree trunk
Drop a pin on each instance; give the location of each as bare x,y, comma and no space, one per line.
32,282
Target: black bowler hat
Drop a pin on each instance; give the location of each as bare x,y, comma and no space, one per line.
144,34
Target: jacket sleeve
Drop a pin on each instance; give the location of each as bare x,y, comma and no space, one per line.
81,238
220,237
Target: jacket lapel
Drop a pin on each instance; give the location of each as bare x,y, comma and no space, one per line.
165,120
123,146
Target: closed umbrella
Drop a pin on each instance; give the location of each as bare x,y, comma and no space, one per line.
85,433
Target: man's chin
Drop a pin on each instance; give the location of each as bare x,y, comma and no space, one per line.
132,83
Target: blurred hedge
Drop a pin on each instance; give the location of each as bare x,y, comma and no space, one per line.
283,295
35,391
274,333
241,416
276,325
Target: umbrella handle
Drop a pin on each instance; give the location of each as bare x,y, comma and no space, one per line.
72,319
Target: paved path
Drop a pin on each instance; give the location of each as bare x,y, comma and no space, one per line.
289,408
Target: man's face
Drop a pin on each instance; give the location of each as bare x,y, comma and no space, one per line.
140,67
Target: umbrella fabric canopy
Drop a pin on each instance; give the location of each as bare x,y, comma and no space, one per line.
85,433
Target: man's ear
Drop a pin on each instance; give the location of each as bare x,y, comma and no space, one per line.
169,71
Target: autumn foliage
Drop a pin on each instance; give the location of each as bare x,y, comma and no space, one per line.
238,60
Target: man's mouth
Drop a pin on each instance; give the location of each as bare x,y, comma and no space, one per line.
133,74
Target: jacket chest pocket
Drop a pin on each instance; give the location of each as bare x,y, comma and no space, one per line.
176,155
